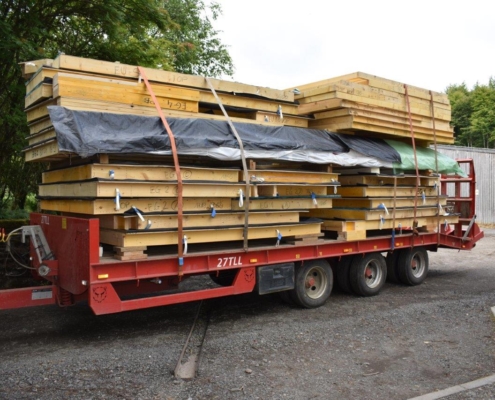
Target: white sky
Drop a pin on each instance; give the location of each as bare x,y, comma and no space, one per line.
430,44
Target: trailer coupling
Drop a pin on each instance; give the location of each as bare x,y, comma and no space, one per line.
45,264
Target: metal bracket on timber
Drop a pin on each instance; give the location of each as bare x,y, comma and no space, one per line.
180,239
244,163
411,129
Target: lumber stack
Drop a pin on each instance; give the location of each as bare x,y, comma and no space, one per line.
378,202
92,85
360,103
137,203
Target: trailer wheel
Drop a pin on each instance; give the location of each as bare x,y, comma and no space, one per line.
313,284
368,274
342,268
413,265
393,266
224,278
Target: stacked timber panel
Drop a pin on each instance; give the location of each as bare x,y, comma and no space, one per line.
93,85
137,204
375,202
365,104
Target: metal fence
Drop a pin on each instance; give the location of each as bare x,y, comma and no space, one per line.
484,165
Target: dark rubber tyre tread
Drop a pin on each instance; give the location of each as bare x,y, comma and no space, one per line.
357,274
303,295
413,266
392,261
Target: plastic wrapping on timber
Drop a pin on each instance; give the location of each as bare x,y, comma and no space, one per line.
373,147
426,159
87,133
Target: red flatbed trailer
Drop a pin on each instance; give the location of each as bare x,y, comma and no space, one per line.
78,273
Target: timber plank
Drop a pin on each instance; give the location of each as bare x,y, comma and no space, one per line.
274,118
42,92
39,111
387,223
168,98
29,68
174,78
403,120
439,114
146,205
199,220
370,203
288,190
139,172
387,180
131,189
286,203
375,82
352,121
36,114
381,191
41,136
372,214
158,238
48,151
287,176
234,100
42,75
368,92
324,104
40,125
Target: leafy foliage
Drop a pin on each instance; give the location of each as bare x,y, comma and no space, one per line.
473,114
169,34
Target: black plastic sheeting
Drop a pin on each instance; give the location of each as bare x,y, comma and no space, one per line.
373,147
87,133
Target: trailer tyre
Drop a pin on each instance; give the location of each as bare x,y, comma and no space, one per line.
413,266
313,284
342,268
392,260
368,274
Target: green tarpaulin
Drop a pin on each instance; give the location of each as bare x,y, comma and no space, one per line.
426,159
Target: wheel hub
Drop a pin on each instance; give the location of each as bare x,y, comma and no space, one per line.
310,282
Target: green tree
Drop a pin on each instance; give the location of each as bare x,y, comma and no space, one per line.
473,114
169,34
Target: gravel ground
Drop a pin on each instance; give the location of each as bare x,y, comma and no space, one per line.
406,342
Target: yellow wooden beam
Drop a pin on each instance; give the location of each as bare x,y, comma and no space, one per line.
382,180
139,172
147,205
170,97
280,176
131,189
383,191
375,215
155,75
370,203
158,238
201,220
342,226
284,203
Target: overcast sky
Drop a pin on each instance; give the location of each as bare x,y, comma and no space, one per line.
430,44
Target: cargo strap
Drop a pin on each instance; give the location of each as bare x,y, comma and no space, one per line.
180,235
393,212
413,140
244,164
436,163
